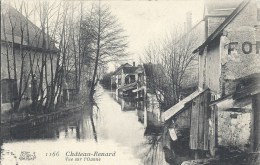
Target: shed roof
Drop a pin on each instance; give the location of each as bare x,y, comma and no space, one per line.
250,88
219,30
180,105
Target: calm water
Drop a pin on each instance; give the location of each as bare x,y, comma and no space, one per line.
124,128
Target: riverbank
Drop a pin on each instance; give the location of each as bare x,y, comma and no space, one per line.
11,120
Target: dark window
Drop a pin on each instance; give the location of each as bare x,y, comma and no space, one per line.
119,81
132,78
9,90
258,14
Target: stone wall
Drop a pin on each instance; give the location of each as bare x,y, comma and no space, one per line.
234,128
242,29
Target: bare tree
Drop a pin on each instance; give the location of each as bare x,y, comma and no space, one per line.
174,55
107,41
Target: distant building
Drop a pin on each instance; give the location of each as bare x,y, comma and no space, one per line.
125,78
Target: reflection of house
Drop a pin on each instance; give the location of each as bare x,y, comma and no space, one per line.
23,48
224,111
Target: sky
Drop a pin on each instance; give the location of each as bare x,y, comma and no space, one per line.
147,21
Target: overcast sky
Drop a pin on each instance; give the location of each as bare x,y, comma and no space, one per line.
145,21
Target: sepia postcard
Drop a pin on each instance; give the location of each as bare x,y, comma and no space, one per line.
130,82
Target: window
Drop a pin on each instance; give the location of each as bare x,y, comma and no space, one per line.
9,90
119,81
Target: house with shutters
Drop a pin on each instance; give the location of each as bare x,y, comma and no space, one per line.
223,113
24,51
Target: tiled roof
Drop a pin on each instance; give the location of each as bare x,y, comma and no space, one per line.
12,18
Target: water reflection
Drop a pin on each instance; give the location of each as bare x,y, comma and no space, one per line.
131,128
149,114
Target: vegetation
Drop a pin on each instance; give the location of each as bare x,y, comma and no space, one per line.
173,66
68,50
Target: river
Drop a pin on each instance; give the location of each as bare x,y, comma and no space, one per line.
115,131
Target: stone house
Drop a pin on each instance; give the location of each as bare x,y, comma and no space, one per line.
23,48
228,69
228,58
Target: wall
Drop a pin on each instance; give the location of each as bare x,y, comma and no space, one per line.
237,64
213,67
213,23
182,121
4,72
202,70
234,128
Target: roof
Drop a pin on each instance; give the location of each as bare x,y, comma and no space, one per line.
180,105
128,86
12,18
130,70
251,86
119,68
219,30
237,99
247,91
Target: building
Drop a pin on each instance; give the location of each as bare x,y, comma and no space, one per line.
230,56
125,78
24,51
224,111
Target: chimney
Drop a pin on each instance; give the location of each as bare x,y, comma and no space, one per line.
133,63
189,21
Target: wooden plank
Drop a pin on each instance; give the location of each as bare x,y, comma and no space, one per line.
206,119
192,121
201,122
213,131
194,124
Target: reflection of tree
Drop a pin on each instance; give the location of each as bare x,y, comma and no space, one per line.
93,127
152,156
91,119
